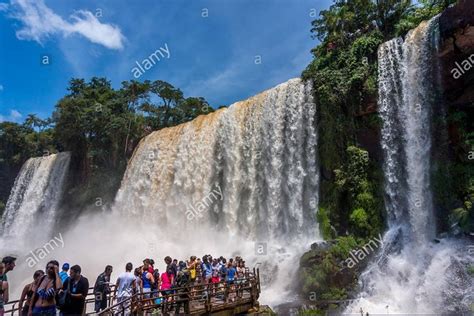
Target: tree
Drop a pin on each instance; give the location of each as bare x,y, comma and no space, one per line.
168,94
32,121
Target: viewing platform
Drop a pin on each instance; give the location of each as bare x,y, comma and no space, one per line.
220,299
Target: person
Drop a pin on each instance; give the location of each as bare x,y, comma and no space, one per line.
231,271
27,293
102,289
183,277
215,271
63,274
192,268
147,279
125,286
215,275
230,277
138,281
206,270
240,277
151,265
9,263
167,279
3,289
77,286
170,265
182,282
199,272
43,301
223,269
156,285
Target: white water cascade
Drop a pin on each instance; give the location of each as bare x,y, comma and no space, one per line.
34,200
248,170
412,274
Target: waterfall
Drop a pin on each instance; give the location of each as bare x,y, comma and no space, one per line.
240,181
34,199
406,89
412,274
247,170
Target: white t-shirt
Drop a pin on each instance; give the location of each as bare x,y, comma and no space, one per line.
125,280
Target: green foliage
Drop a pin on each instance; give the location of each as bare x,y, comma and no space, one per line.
104,124
470,270
425,10
324,223
359,220
343,246
365,218
20,142
463,216
353,176
321,273
334,293
344,74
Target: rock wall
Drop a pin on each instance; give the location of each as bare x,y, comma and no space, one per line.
457,33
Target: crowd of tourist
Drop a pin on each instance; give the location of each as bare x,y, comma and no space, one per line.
67,289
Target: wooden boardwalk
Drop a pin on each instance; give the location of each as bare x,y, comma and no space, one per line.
202,299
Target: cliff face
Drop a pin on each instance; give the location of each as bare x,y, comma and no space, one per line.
457,54
453,169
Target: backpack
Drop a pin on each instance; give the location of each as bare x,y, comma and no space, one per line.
182,278
63,299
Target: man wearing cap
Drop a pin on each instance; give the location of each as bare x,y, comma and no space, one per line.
63,274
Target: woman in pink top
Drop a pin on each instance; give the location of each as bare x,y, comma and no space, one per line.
166,281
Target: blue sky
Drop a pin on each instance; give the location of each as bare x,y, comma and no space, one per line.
213,45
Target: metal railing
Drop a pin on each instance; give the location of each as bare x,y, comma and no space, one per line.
13,307
195,299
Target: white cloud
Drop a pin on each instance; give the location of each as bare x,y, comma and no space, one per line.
14,116
40,22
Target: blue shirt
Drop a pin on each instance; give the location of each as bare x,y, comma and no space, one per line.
231,274
63,275
207,270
